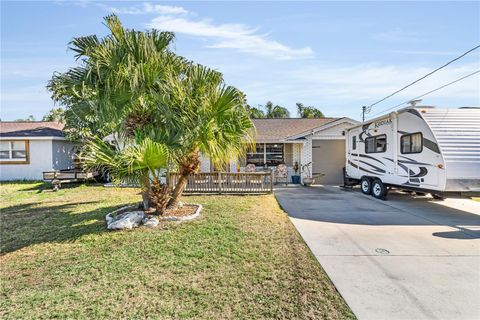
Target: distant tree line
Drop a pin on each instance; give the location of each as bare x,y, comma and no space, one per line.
55,114
270,111
261,112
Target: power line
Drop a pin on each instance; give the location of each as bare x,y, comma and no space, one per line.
429,92
369,108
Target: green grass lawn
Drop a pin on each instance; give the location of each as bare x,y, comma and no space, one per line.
241,259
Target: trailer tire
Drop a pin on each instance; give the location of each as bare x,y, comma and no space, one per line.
366,185
437,196
379,190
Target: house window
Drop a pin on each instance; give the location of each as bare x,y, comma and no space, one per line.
14,151
271,154
258,156
376,144
354,142
411,143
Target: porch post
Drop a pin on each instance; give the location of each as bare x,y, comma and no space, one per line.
220,182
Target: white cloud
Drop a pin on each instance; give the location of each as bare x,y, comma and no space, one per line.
149,8
231,36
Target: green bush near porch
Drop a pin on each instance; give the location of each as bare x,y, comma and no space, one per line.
241,259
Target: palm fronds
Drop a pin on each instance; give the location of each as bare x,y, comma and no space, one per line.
131,164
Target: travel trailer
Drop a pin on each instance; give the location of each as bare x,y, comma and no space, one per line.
421,149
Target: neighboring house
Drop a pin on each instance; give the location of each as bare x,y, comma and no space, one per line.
320,141
29,148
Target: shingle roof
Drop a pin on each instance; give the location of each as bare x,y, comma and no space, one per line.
31,129
270,130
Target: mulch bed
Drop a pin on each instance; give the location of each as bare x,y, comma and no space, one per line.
186,210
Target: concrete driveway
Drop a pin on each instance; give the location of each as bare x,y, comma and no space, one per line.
405,258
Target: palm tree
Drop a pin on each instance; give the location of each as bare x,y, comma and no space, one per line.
55,114
109,91
139,163
256,113
276,111
131,85
308,112
212,119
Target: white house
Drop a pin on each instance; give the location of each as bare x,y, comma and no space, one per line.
29,148
320,141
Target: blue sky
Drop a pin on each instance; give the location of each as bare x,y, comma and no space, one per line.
336,56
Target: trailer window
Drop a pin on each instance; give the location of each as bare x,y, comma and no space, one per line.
376,144
411,143
354,142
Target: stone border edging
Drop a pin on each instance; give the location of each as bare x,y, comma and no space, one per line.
192,216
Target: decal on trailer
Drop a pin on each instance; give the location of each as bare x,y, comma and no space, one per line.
383,122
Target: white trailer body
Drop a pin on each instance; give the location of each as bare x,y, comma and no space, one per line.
418,148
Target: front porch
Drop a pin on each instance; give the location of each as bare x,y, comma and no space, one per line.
266,157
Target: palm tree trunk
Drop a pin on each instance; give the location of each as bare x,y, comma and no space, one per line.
188,165
146,194
177,192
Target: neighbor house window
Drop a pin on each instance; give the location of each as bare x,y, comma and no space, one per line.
14,151
376,144
354,142
411,143
271,154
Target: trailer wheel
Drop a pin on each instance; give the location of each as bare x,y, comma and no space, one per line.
437,196
379,190
366,185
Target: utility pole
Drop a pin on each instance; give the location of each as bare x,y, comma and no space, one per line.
364,109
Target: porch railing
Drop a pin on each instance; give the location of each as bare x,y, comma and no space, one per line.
226,182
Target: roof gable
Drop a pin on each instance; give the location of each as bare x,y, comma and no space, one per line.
326,126
281,129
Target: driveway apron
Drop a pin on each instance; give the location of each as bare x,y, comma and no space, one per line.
405,258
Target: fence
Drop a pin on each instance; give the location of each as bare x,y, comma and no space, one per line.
226,182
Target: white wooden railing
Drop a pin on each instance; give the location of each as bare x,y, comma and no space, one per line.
226,182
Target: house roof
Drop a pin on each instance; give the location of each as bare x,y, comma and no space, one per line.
270,130
31,129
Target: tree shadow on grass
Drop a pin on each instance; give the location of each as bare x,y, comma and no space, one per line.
28,224
48,186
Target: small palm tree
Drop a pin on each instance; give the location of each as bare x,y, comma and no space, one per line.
138,163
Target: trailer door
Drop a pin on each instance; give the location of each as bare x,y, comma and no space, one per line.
355,146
